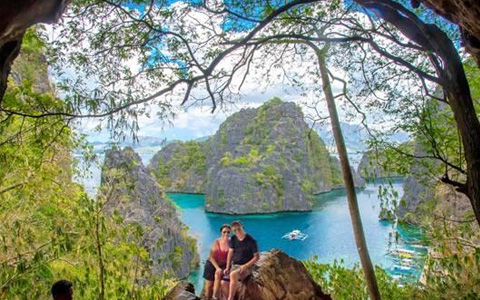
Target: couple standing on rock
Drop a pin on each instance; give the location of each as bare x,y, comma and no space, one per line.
241,250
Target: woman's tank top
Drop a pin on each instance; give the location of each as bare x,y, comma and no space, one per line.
220,255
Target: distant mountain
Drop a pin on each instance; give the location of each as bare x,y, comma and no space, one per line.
203,138
353,134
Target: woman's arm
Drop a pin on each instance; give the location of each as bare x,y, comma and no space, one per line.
229,260
211,258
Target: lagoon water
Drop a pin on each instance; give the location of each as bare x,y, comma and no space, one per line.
329,229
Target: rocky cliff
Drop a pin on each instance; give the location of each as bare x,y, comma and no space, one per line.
16,17
418,189
425,196
260,161
267,160
139,199
370,168
276,276
385,163
180,167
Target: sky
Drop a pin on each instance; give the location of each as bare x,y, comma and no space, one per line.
196,121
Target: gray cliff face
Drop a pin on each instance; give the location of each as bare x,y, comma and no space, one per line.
260,161
425,196
267,160
418,188
417,192
32,66
139,199
370,167
180,167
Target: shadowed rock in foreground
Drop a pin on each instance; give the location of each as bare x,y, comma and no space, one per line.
182,291
275,276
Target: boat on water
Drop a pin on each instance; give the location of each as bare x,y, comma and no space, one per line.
295,235
402,269
402,253
397,277
411,262
421,247
408,262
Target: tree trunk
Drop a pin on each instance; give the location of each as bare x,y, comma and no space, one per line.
15,17
348,179
466,14
469,129
453,80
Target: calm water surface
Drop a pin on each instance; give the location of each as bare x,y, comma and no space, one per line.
328,226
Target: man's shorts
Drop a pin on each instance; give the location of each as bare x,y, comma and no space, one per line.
245,273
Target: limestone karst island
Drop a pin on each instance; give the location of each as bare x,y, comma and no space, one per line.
239,150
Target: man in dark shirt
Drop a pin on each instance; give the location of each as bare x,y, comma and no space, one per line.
243,253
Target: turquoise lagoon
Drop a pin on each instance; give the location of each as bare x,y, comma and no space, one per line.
329,229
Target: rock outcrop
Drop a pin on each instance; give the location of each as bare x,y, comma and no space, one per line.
180,167
424,195
15,18
377,165
182,291
267,160
276,276
418,190
260,161
139,199
32,66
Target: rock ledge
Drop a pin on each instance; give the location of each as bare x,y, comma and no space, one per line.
275,276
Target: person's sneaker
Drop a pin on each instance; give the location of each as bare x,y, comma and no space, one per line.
214,298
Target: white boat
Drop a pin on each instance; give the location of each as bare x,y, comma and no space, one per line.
397,277
402,268
402,253
295,235
419,246
408,262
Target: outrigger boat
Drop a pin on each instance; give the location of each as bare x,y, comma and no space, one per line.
423,247
402,269
295,235
402,253
408,262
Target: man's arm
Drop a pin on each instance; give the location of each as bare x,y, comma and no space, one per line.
251,262
255,258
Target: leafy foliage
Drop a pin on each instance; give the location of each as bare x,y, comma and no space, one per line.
449,226
187,159
345,283
50,228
